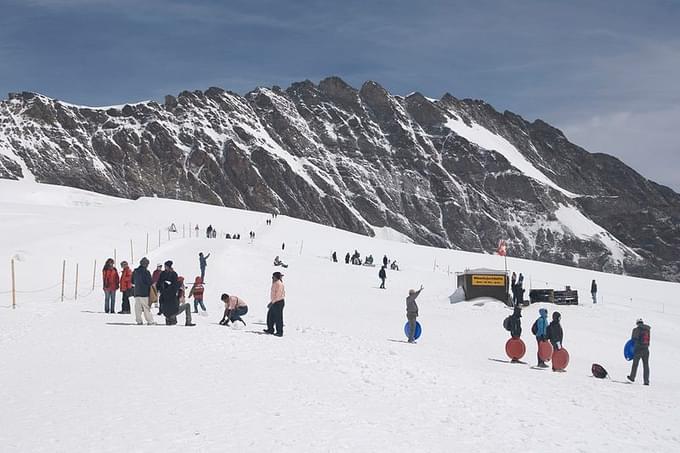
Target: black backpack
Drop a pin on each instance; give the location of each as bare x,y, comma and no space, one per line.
506,323
598,371
534,327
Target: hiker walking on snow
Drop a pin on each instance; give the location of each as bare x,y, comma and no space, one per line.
555,335
593,291
110,282
208,231
641,336
412,312
347,258
125,287
385,260
275,306
382,275
541,325
203,263
142,283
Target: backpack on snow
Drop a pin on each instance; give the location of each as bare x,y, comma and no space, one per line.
534,327
598,371
506,323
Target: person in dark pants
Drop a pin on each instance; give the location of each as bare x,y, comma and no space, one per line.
170,306
641,336
234,308
412,313
275,306
593,291
203,263
516,323
125,287
347,258
541,331
334,257
385,260
555,334
382,275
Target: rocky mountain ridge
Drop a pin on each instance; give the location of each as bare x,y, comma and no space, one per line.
449,172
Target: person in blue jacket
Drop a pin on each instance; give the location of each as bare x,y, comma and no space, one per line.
541,333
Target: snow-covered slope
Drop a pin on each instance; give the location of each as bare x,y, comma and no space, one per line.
341,379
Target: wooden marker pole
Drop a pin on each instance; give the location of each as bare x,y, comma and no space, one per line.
14,290
115,257
75,297
63,279
132,254
159,238
94,274
147,243
184,231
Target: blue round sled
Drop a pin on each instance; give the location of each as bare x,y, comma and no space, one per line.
419,330
629,350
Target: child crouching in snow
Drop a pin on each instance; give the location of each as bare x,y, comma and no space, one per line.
234,308
197,292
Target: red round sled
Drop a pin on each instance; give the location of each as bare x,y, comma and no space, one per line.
545,350
560,359
515,348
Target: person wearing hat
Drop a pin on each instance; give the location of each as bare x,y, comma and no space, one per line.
275,306
641,336
170,307
412,312
555,334
141,284
110,282
125,287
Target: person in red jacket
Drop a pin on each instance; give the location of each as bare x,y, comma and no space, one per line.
125,287
110,285
197,293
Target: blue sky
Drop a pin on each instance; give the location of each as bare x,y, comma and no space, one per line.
605,72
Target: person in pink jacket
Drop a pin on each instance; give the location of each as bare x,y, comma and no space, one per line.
275,306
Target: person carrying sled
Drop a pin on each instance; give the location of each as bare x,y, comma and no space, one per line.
382,275
641,337
169,286
412,312
141,284
110,283
555,335
125,287
275,306
513,323
196,292
234,308
541,330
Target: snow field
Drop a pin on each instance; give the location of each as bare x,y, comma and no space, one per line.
341,378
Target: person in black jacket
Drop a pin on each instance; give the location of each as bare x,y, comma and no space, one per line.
169,286
516,323
555,334
141,287
382,275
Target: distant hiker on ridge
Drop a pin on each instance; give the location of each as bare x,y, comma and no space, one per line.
593,291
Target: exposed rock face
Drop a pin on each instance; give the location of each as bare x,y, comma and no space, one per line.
449,172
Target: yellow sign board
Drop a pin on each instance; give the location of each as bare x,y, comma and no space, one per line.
488,280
